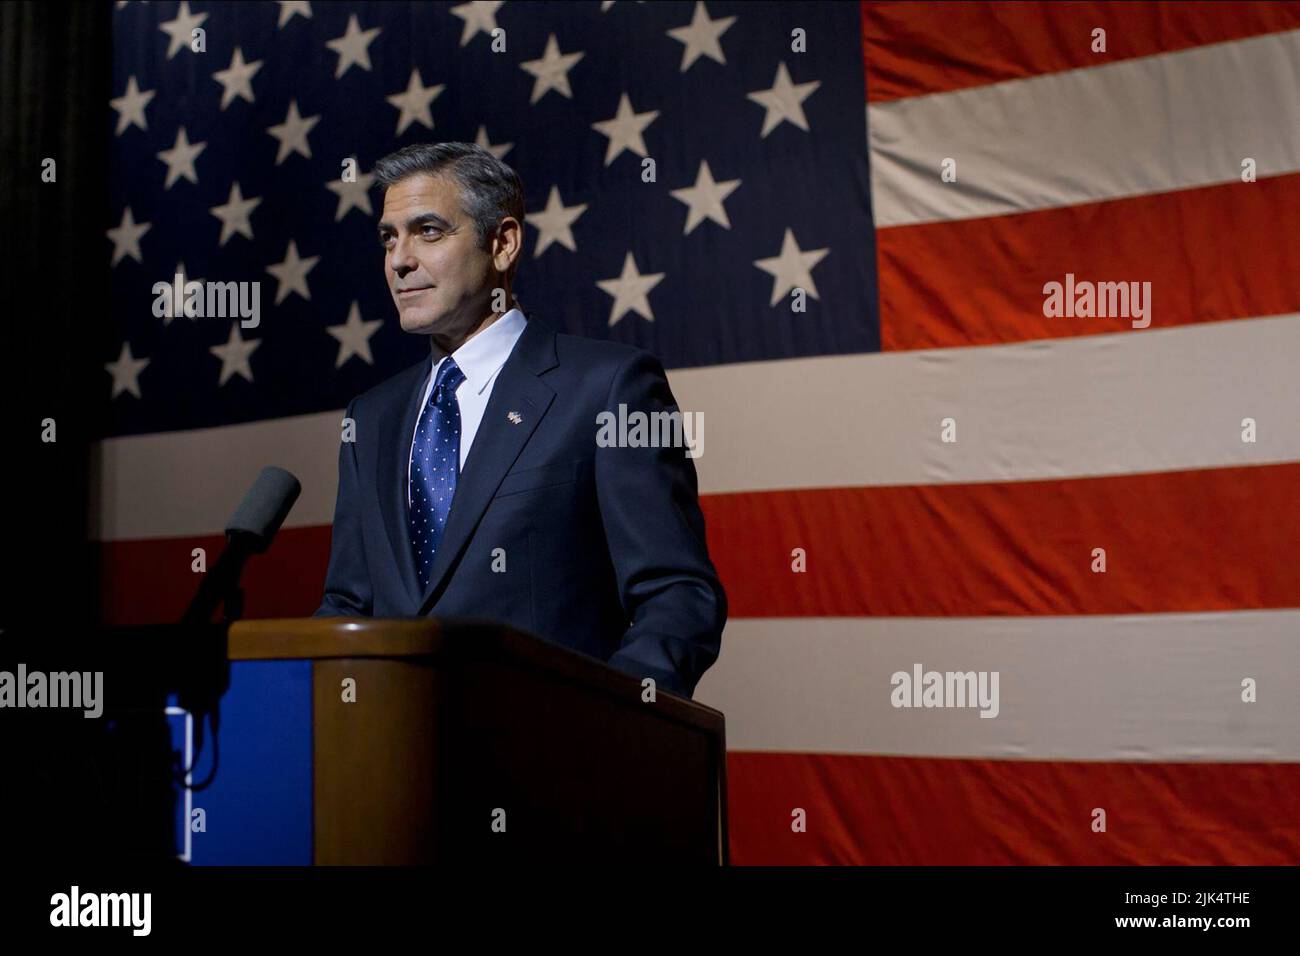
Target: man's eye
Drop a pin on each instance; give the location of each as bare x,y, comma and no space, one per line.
430,232
385,240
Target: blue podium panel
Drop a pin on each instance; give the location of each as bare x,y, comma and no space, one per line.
258,809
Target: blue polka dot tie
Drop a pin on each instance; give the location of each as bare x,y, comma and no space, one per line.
435,462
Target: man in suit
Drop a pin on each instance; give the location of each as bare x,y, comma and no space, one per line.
475,485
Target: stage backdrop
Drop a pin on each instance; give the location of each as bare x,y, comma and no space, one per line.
881,250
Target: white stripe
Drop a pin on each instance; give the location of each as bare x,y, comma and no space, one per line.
190,482
1058,408
1093,405
1145,125
1157,687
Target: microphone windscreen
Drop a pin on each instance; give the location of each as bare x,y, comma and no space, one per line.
266,505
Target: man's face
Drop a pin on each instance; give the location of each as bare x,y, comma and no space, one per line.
440,280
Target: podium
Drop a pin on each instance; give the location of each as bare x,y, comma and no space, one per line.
436,741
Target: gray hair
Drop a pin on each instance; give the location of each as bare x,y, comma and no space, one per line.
489,189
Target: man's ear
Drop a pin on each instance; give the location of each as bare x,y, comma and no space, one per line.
507,244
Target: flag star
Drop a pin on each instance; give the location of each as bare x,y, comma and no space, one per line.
352,195
169,307
630,291
353,46
784,101
792,268
701,37
414,103
705,199
180,159
499,150
181,30
552,70
126,372
354,336
234,215
234,355
289,7
553,223
126,238
478,15
237,79
130,106
292,133
625,129
291,274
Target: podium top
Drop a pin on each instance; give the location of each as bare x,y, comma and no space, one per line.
323,637
317,638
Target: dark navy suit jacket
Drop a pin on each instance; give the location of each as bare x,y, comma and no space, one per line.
604,547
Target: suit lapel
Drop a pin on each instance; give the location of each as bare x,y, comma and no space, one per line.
395,433
497,444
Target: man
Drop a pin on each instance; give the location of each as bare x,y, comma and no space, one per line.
476,486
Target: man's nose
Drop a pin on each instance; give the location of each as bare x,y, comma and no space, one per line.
401,261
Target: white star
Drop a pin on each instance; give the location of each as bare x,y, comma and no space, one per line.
291,274
499,150
126,372
792,268
289,7
553,223
292,133
552,70
624,130
234,215
126,238
130,106
630,291
701,37
169,310
237,79
352,195
180,159
784,101
181,29
354,337
478,15
234,355
353,46
705,199
414,103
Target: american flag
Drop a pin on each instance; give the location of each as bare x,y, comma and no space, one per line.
836,225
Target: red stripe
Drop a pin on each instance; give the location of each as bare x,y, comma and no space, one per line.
911,49
871,810
1220,252
1220,539
150,581
999,548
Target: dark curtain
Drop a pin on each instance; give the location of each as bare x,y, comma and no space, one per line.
55,327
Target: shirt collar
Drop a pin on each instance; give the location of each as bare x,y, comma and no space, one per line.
483,355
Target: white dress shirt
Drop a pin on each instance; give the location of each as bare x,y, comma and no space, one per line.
480,359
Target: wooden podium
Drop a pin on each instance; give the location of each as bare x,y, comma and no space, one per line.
437,741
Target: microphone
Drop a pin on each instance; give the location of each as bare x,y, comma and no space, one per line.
249,531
